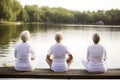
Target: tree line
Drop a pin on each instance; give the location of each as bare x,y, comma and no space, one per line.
12,10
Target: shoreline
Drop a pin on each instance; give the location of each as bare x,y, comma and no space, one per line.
19,23
62,24
11,23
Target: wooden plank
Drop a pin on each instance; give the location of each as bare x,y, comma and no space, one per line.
9,72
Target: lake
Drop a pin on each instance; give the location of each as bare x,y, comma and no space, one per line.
76,37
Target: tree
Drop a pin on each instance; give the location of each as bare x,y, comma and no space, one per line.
16,9
6,11
33,12
9,10
23,16
115,16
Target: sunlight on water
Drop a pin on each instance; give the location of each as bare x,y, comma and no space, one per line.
77,38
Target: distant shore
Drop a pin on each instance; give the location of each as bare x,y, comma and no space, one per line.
85,25
11,23
19,23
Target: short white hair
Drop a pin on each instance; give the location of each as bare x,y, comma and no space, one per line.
25,35
59,36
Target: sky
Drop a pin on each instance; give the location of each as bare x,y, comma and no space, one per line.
80,5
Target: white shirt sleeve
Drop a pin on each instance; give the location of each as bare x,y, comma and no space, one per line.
32,53
67,50
15,51
50,50
88,55
105,54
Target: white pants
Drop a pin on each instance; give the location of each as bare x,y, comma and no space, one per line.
24,67
92,68
59,66
27,66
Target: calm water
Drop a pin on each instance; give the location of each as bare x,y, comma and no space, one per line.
76,37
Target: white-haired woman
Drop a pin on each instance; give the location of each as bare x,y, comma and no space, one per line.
24,54
59,62
96,57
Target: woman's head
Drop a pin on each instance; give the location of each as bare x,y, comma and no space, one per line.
96,38
58,37
25,36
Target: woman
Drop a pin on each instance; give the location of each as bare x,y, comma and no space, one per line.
59,63
96,57
24,54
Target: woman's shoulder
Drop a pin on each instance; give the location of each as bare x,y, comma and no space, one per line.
95,46
92,45
18,45
100,45
27,45
63,45
59,45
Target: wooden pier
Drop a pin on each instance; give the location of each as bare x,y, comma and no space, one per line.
40,73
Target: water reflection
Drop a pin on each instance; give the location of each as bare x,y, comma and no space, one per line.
10,33
77,37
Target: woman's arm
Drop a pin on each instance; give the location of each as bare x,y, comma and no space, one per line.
32,54
105,55
15,53
49,60
70,58
88,56
48,57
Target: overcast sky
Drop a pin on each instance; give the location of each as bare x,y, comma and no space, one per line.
80,5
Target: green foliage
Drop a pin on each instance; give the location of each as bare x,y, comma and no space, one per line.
33,12
11,10
114,15
23,16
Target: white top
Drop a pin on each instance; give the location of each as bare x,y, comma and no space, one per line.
59,52
23,54
96,54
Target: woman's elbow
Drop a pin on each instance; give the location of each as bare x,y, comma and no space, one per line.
47,57
71,57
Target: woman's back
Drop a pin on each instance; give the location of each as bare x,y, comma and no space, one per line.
59,62
23,53
96,57
59,51
96,53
